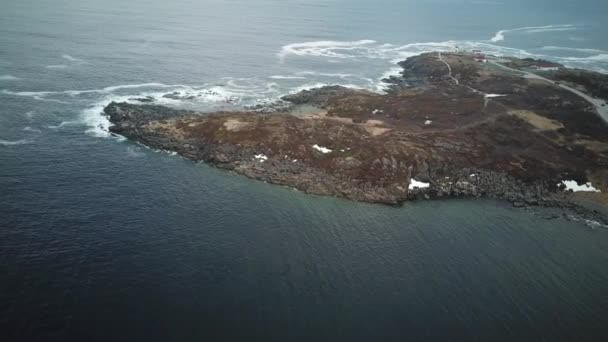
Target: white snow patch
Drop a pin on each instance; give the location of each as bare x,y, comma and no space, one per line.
414,184
428,122
321,149
574,186
261,157
488,96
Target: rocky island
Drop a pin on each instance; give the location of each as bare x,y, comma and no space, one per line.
451,124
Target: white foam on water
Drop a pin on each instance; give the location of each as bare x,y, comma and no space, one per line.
551,29
308,86
98,124
381,86
246,91
594,224
63,124
72,59
563,48
14,142
280,77
480,2
30,129
56,66
8,78
135,152
370,50
136,86
320,85
37,95
500,35
28,93
324,48
396,71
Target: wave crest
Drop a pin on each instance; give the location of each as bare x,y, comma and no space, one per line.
500,35
325,48
14,142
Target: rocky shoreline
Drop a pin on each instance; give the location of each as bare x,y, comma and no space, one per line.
465,130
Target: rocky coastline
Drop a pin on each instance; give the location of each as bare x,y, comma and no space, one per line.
450,126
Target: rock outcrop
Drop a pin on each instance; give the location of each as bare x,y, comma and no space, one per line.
472,130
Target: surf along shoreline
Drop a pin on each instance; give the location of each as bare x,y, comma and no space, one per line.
451,125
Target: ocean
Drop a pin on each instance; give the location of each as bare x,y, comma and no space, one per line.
104,239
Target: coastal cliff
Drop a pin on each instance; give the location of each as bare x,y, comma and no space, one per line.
449,126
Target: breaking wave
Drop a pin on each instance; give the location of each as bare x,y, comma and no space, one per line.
8,78
56,66
73,59
32,130
597,58
281,77
237,93
563,48
500,35
324,48
14,142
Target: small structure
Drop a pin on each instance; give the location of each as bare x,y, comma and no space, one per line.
544,65
479,56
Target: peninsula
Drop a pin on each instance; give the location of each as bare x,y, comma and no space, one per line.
452,124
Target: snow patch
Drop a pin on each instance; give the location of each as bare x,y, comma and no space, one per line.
500,36
72,59
281,77
428,122
574,186
321,149
261,157
414,184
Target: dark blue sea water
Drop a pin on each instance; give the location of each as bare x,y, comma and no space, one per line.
103,239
